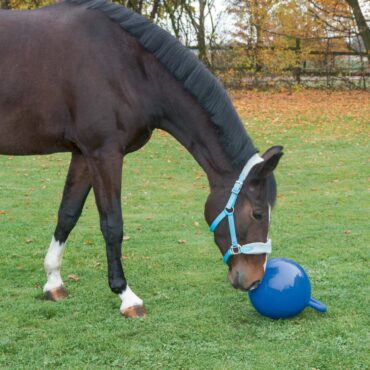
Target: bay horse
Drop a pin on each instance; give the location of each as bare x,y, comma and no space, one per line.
95,79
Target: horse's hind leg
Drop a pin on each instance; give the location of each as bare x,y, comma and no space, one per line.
76,189
106,174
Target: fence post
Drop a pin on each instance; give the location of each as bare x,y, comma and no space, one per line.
327,65
297,69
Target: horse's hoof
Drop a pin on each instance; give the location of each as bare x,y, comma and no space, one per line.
134,311
56,294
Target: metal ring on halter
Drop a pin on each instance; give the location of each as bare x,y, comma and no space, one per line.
229,211
235,249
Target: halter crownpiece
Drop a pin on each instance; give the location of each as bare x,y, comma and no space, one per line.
228,211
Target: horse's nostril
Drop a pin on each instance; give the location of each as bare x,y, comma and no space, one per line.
254,285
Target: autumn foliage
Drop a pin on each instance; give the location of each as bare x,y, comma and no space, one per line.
286,38
267,41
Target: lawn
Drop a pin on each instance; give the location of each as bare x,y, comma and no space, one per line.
196,319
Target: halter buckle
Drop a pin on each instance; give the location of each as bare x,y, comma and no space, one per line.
235,249
237,187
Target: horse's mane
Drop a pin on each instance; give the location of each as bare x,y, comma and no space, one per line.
190,71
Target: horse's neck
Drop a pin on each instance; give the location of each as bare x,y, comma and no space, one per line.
190,125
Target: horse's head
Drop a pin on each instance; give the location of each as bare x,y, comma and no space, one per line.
251,216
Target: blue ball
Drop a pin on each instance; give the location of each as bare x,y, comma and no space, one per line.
284,291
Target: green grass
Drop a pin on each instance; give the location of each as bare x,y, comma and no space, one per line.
196,320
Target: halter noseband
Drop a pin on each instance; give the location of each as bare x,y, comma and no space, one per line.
228,211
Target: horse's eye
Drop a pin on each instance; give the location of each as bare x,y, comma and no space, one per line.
257,215
254,184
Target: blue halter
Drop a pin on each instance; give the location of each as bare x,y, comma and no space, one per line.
228,211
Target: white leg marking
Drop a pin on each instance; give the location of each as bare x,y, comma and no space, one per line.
269,214
129,299
52,264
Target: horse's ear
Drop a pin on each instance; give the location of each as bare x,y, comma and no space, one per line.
271,160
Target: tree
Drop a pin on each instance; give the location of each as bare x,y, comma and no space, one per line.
363,29
5,4
271,32
145,7
197,12
342,18
173,12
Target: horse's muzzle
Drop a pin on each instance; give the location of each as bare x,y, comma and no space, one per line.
238,281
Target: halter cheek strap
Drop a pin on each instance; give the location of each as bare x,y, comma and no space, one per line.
228,211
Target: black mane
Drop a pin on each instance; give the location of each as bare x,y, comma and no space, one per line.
188,69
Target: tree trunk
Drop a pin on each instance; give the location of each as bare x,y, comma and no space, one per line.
154,11
135,5
257,22
201,34
199,28
363,29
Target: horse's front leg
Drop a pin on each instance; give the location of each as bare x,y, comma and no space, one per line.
76,189
106,174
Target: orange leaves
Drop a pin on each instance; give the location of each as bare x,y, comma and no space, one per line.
285,111
73,277
24,5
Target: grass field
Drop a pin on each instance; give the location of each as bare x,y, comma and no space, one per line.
196,320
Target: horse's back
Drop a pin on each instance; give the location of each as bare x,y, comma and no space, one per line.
55,60
58,39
